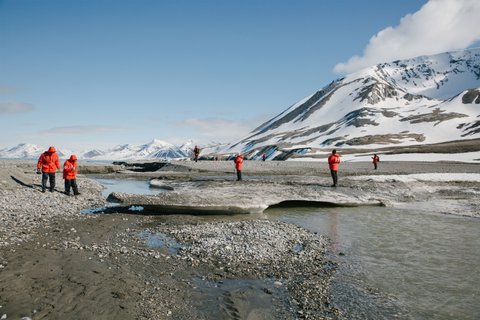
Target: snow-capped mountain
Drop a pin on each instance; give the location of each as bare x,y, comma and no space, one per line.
424,100
27,151
156,149
93,153
212,149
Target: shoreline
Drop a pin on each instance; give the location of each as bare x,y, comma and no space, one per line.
55,261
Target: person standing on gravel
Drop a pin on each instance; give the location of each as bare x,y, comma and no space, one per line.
70,170
376,159
47,165
238,166
333,161
196,153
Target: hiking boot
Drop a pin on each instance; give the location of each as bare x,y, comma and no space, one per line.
67,193
43,190
76,194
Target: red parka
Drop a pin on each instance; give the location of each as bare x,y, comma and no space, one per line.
238,163
375,159
48,161
70,168
333,161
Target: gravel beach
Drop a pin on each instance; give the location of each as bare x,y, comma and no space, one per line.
57,263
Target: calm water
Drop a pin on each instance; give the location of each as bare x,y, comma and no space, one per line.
393,264
396,263
124,185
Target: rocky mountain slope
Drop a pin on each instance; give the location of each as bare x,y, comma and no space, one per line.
421,101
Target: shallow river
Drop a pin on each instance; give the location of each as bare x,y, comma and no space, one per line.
415,265
401,264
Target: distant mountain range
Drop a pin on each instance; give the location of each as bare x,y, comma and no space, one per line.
156,149
421,101
24,151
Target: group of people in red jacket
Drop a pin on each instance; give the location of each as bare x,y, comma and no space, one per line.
333,161
48,164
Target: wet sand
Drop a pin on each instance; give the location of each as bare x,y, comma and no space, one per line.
56,263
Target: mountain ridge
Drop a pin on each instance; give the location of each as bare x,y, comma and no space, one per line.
423,100
154,150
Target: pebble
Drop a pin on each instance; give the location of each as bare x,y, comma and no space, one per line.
260,249
260,241
28,210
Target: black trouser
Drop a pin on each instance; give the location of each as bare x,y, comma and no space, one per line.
375,165
71,183
239,175
48,176
334,176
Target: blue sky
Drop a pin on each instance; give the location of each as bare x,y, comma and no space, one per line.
90,74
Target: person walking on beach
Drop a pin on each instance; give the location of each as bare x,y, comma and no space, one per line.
264,157
333,161
196,153
238,165
70,170
376,159
47,165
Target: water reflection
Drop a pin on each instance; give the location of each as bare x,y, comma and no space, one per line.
402,264
128,186
160,240
332,231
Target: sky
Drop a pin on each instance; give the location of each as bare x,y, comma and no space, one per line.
86,74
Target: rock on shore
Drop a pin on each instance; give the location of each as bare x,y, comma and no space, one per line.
25,209
287,254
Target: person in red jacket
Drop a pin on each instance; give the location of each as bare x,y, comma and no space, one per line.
70,170
376,159
196,152
333,161
47,165
238,166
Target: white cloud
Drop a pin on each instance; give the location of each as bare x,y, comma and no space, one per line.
14,107
79,130
439,26
220,130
